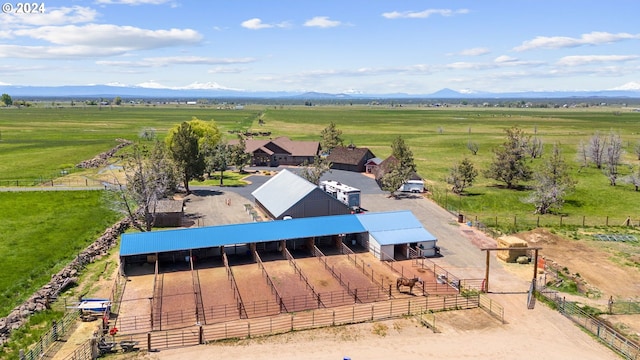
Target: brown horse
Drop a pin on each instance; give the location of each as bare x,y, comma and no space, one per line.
403,281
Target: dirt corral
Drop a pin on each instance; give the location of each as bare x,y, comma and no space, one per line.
603,270
607,267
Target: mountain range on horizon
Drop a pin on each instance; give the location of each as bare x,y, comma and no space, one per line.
110,91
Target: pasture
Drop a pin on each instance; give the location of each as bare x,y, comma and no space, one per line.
41,141
40,232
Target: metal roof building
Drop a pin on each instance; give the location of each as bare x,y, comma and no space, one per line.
287,194
386,234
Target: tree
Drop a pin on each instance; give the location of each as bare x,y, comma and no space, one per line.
239,155
534,148
393,179
552,183
314,171
509,164
461,176
473,147
633,179
6,100
117,100
613,153
220,159
401,151
185,152
149,176
595,149
330,138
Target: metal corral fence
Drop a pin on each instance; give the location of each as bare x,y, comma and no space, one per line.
493,308
56,332
600,329
283,323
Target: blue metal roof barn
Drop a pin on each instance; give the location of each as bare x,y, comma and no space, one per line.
385,228
223,235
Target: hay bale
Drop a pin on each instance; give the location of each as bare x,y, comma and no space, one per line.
515,247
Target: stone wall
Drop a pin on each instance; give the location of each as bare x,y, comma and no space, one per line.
60,281
102,158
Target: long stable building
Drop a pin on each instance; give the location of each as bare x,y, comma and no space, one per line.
387,235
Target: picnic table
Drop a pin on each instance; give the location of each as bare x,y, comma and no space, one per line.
128,345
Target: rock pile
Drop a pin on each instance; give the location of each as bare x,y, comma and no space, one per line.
60,281
102,158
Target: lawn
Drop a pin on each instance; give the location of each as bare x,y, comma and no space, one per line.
41,232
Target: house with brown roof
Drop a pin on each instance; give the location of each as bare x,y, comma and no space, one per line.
280,151
350,158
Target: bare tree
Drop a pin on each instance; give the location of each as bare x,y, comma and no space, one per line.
636,149
150,176
633,178
595,149
582,155
534,147
613,153
473,147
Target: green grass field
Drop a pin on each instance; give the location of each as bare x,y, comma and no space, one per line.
40,232
39,142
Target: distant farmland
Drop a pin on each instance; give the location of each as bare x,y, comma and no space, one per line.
40,142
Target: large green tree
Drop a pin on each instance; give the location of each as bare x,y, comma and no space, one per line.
183,146
509,165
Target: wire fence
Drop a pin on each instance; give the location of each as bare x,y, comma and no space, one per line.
62,182
523,222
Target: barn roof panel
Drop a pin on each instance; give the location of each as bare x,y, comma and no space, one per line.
282,191
213,236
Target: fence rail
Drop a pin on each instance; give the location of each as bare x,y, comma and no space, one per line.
283,323
57,330
522,222
600,329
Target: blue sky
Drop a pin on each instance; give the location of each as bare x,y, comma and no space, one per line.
348,46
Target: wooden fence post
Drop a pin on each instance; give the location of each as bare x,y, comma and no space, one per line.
148,342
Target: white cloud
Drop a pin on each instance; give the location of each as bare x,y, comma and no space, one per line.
557,42
52,16
505,59
423,14
225,70
133,2
104,35
176,60
322,22
474,51
590,59
257,24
